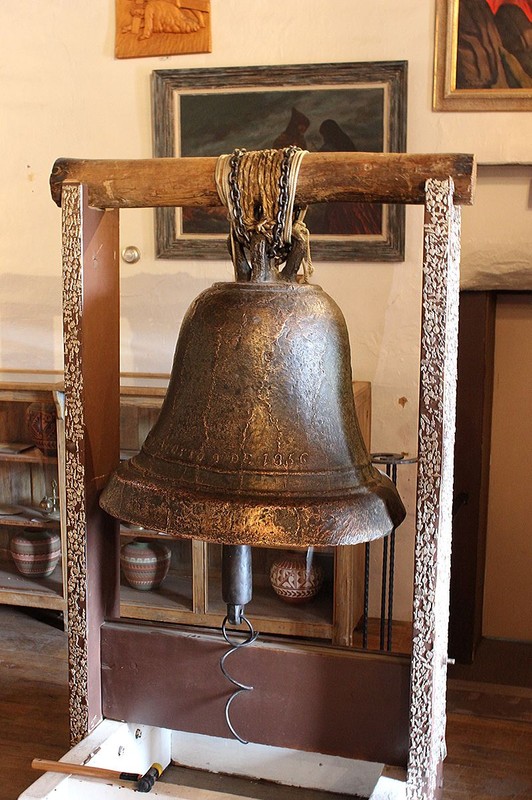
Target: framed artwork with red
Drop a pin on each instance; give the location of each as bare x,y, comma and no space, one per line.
483,55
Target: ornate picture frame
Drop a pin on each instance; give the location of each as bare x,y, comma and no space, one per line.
483,55
348,106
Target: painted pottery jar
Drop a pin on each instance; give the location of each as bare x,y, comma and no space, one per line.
145,563
36,553
296,578
41,423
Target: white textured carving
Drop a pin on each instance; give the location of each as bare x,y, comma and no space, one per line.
439,343
75,478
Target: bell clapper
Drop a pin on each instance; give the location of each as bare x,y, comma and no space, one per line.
236,593
236,580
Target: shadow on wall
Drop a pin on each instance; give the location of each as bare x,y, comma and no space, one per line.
496,238
30,323
152,307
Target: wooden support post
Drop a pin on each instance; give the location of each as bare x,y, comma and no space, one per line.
91,334
437,404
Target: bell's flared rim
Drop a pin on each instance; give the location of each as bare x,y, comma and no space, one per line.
371,512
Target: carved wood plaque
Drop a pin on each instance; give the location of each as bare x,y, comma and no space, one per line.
162,27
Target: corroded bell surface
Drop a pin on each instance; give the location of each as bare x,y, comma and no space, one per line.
258,440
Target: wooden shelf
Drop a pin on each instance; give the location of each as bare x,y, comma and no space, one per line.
31,456
174,595
138,385
173,602
401,637
29,518
21,590
142,533
270,614
29,387
26,478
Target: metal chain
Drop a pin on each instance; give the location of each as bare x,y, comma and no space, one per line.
279,248
234,191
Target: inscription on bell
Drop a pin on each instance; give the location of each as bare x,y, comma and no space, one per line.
284,460
260,460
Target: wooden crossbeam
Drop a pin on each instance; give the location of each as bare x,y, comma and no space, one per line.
324,177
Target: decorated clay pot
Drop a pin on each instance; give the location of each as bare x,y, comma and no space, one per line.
36,553
41,422
145,563
295,579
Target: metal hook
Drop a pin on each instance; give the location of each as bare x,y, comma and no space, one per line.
241,687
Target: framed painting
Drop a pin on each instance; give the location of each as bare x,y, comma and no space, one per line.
320,107
483,55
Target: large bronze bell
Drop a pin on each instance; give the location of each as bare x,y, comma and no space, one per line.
258,440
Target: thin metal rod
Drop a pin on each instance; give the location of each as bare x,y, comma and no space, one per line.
390,461
391,573
365,618
390,590
385,565
383,590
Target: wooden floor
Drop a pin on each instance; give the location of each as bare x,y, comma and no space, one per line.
33,696
489,726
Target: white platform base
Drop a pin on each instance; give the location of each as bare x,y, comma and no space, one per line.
114,745
127,747
275,764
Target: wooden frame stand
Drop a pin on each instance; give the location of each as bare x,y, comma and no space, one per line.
400,716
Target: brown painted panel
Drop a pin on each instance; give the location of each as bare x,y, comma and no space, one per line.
101,399
99,337
472,451
325,701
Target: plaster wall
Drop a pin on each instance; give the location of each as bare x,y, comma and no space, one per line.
497,230
64,94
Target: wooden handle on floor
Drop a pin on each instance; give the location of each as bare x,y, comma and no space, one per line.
83,770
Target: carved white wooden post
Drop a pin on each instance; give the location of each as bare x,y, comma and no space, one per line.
439,347
90,333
